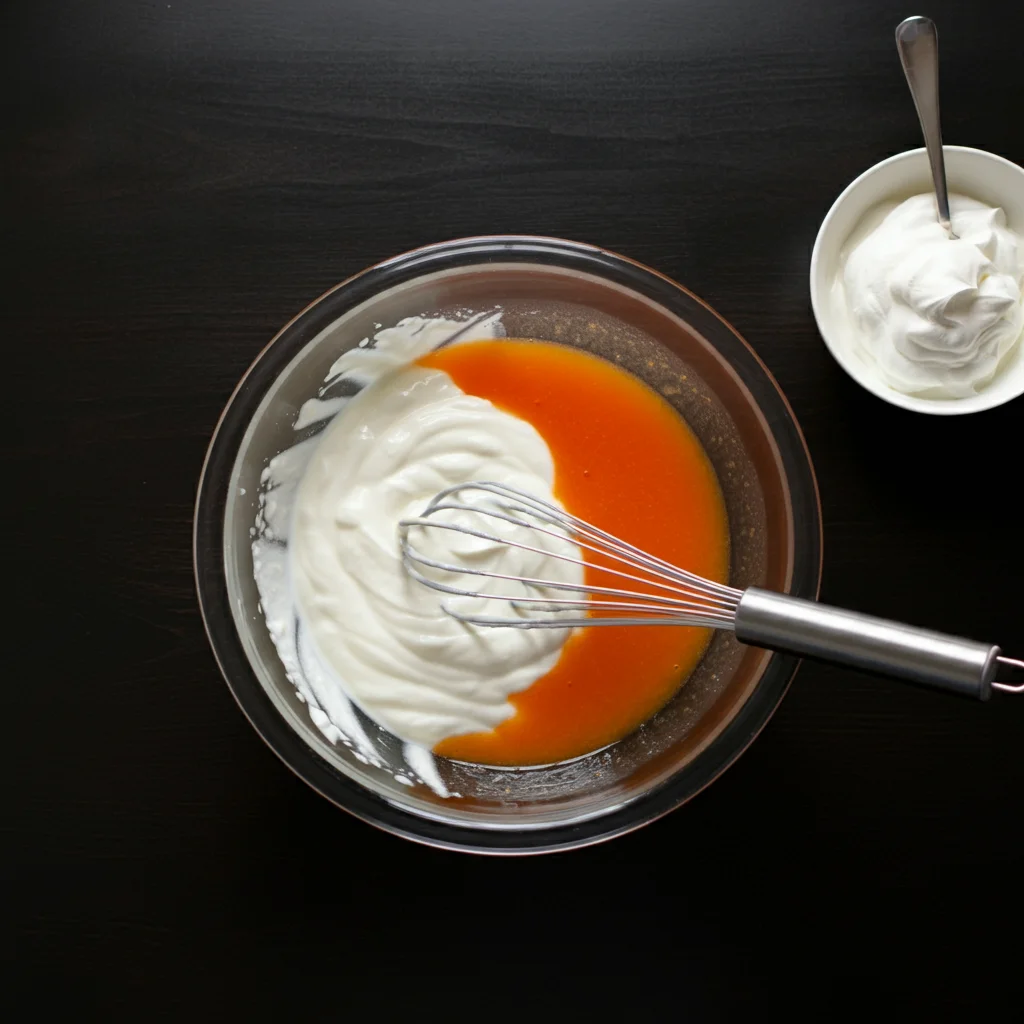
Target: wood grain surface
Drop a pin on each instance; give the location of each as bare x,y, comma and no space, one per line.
179,179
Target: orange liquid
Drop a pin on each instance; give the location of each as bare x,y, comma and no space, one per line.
626,462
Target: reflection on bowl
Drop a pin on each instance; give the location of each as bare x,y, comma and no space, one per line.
581,296
971,172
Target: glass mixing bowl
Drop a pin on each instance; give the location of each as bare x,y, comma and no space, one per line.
592,299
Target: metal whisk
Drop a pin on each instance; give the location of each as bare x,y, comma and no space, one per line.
650,591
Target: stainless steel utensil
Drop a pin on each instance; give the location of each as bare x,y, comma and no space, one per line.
918,43
658,593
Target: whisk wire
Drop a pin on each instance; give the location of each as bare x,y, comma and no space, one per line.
581,527
686,599
467,570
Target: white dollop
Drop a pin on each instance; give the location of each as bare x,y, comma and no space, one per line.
322,689
316,685
935,315
417,671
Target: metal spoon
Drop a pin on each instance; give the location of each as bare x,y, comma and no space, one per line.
918,43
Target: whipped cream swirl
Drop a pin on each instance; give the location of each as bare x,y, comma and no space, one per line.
936,315
422,674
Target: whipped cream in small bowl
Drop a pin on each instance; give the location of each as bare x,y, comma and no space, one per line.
925,322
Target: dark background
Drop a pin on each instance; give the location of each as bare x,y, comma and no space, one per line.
179,179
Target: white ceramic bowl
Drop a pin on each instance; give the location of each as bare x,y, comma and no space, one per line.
971,172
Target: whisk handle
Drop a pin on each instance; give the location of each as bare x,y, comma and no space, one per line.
791,624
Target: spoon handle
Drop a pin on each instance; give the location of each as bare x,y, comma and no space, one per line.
918,43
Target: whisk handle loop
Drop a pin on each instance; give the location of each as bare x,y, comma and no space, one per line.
796,626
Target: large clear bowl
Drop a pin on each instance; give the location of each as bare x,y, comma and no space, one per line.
595,300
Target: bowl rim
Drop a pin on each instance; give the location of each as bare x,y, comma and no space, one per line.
288,745
935,407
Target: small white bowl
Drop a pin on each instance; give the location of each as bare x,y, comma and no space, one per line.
971,172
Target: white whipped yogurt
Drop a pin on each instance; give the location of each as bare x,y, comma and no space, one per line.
936,316
420,673
348,623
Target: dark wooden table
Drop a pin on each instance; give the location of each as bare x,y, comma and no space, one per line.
179,179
